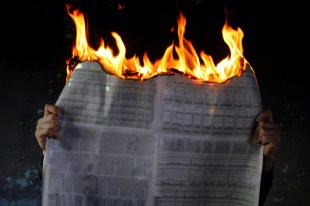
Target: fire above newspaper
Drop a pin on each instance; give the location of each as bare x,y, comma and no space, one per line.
181,57
165,141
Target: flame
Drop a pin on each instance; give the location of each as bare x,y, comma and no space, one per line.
186,62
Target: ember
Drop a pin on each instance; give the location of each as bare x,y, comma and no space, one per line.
188,62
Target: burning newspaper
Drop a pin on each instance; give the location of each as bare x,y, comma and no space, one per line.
163,141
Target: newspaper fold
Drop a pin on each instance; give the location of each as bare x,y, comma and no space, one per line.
166,141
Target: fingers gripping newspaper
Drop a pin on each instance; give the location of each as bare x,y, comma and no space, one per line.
166,141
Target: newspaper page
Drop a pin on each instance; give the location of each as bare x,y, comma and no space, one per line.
166,141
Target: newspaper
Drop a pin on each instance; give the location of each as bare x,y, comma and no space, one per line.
166,141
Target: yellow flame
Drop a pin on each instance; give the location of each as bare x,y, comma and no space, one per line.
187,61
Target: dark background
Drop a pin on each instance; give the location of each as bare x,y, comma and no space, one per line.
37,37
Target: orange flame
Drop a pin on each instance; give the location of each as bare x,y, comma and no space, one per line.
187,61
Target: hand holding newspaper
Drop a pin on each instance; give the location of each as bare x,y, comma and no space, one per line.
163,141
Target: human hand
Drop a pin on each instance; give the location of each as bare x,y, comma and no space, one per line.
267,133
49,126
